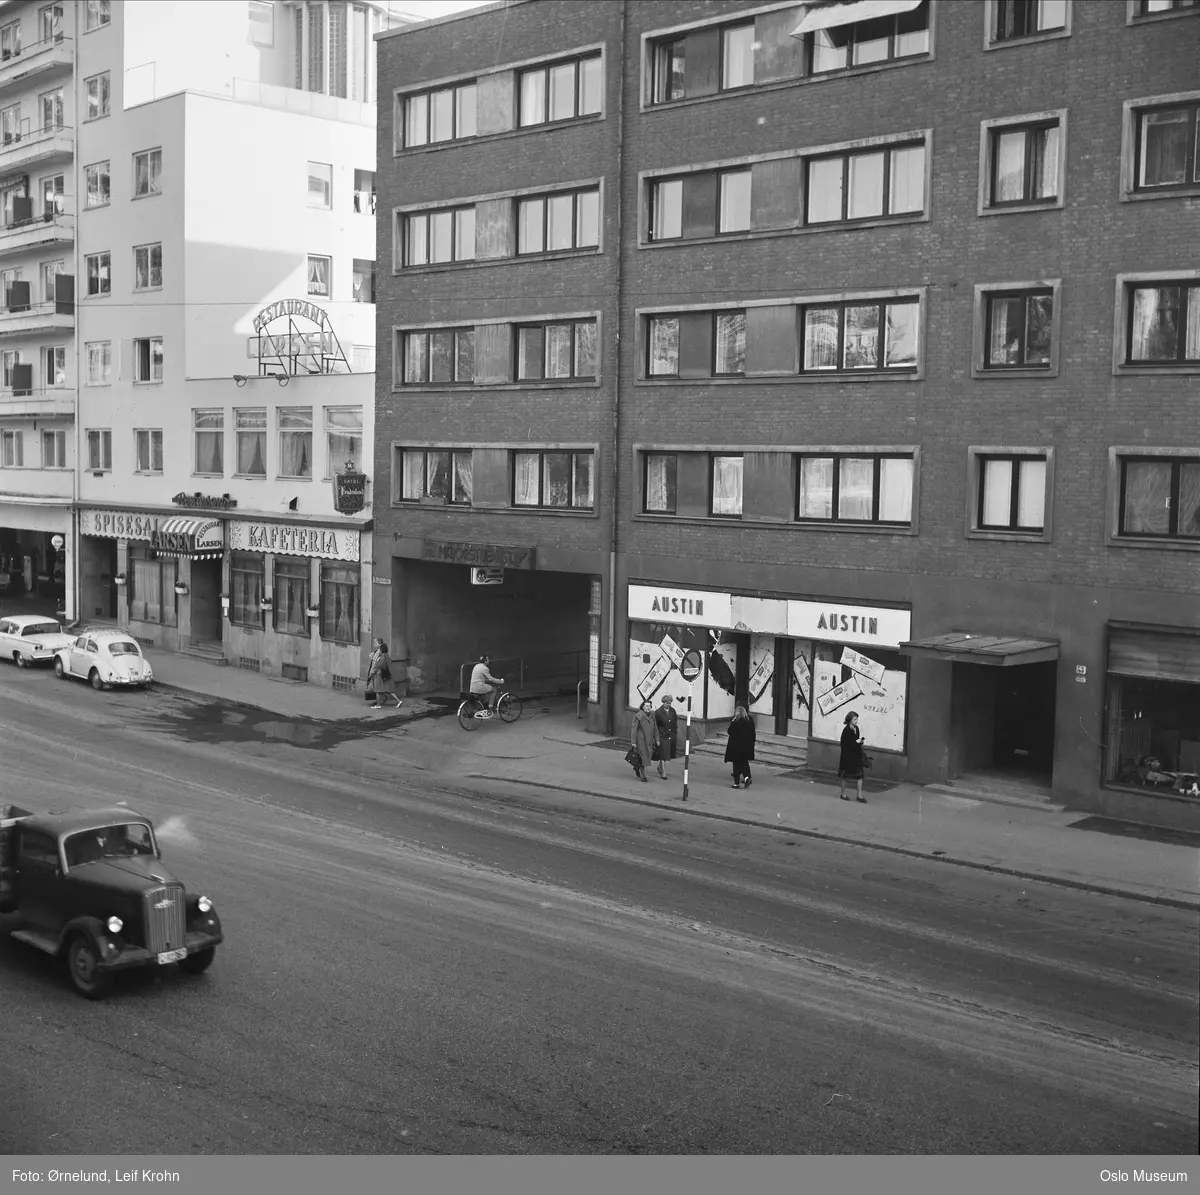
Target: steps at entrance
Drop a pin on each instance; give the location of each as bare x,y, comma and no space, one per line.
214,653
1030,792
774,749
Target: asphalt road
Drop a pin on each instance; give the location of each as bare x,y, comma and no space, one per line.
414,968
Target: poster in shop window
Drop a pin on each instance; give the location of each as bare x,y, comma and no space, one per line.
762,668
673,650
839,696
880,707
652,681
863,665
803,678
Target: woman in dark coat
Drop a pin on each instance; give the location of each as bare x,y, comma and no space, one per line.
850,766
668,728
644,736
379,675
739,751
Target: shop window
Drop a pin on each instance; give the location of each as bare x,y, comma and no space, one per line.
293,577
1160,498
152,591
250,425
557,480
209,429
442,357
856,489
725,494
295,441
246,590
441,475
339,602
1154,733
559,91
343,438
869,681
437,237
660,483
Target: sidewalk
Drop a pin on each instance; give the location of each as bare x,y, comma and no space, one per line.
547,751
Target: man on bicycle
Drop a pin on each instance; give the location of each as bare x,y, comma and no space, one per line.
485,685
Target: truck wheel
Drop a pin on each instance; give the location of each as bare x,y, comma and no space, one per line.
200,961
20,660
59,670
83,963
97,683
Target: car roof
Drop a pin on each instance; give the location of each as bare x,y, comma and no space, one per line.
23,620
103,633
73,818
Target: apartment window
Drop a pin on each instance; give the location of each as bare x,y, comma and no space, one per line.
442,475
729,343
737,56
559,91
320,185
99,442
725,489
443,356
1167,151
363,281
343,437
148,359
435,237
10,123
854,488
10,39
96,184
1012,493
866,185
96,95
447,114
99,13
8,196
546,223
54,364
836,47
262,23
1014,19
1019,327
148,450
666,209
12,449
659,484
50,271
860,335
147,267
52,109
99,362
295,441
54,450
1160,497
99,273
339,602
1164,324
50,23
209,428
250,428
9,360
147,173
1023,163
556,350
293,579
364,192
1150,8
556,480
663,346
320,270
668,69
723,208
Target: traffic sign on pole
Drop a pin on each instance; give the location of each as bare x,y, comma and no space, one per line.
690,666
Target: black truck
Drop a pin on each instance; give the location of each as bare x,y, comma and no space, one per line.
89,886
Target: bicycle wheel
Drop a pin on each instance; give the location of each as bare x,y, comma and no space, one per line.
509,707
466,714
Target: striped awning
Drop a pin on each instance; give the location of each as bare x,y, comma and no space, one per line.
849,12
190,537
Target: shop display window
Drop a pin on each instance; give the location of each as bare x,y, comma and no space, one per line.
246,590
152,591
1154,734
869,681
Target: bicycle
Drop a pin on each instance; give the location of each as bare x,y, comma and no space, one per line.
473,710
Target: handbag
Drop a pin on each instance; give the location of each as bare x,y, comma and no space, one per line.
385,674
866,760
633,757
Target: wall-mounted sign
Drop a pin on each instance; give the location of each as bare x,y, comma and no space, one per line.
679,607
56,542
608,666
287,539
117,524
284,347
349,491
207,501
487,576
834,622
482,555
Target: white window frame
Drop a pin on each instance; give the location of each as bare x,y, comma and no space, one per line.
149,433
106,378
104,260
327,293
103,171
153,178
261,7
12,448
148,250
331,464
997,125
57,437
207,431
149,364
103,81
103,443
99,14
326,204
976,455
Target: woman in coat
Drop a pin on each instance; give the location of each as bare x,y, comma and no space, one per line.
644,736
739,750
668,729
379,675
850,765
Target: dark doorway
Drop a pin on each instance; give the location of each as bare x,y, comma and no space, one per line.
206,601
782,682
1024,718
741,671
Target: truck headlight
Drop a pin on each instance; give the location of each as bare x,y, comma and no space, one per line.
204,904
115,925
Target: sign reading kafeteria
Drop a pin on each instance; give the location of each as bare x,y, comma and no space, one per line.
287,539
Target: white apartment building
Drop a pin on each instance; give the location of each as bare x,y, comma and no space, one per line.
200,442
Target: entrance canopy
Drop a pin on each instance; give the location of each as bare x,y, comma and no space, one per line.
963,648
190,537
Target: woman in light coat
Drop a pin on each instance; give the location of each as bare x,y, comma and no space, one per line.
644,736
379,675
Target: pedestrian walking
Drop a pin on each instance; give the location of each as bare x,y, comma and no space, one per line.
739,750
850,765
668,730
379,675
644,738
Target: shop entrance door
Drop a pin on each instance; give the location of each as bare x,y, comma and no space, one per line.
773,687
1024,718
206,601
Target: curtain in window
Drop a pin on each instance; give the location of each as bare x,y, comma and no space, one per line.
295,443
561,222
997,493
291,596
1164,148
1147,498
907,184
581,495
153,596
816,487
668,210
735,201
1191,348
1045,163
727,485
1004,345
825,177
412,474
318,276
1039,320
1031,495
820,338
209,457
731,343
866,186
339,603
664,346
525,478
558,350
530,230
1189,500
463,479
856,483
862,337
895,490
1010,167
252,452
660,482
416,357
901,346
437,474
585,345
557,485
1155,324
246,592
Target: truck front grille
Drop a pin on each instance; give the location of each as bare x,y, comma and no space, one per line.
164,918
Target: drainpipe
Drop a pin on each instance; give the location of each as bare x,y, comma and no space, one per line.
76,543
616,406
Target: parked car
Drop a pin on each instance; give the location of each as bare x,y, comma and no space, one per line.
89,886
31,639
104,657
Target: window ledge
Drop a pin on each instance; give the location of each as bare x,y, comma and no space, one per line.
1030,39
488,138
158,382
443,267
146,290
1162,545
148,195
832,376
1022,209
758,234
95,207
1021,372
1189,369
1153,18
1023,537
791,525
1184,192
285,477
458,388
557,513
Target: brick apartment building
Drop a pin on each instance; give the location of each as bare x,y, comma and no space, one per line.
855,344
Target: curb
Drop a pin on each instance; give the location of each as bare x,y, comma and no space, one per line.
928,856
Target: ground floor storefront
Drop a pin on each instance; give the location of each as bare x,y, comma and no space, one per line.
36,558
284,599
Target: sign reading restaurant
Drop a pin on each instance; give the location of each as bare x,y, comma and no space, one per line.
301,307
286,539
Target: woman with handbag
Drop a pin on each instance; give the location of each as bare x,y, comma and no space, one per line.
739,749
850,765
379,675
643,739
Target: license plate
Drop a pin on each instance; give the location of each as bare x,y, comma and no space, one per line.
172,956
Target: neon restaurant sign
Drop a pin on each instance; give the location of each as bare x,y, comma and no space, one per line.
296,337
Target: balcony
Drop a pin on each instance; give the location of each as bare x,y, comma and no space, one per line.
21,148
39,61
26,319
37,232
37,404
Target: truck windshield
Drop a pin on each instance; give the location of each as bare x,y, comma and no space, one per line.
90,846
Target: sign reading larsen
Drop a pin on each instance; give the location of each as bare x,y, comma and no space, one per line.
285,539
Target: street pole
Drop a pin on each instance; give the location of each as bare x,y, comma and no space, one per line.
687,743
